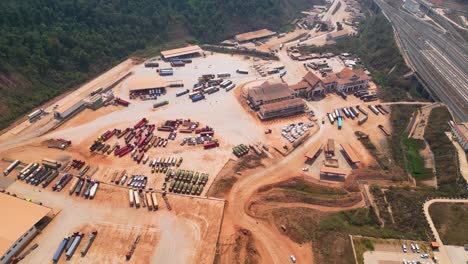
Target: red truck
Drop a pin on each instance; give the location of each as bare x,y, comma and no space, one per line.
211,144
121,102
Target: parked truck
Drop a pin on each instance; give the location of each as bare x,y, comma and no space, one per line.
74,245
88,244
11,167
60,250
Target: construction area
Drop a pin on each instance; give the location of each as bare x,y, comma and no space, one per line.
127,162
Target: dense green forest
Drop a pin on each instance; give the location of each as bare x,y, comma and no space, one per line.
49,46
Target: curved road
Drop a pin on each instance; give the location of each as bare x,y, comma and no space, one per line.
277,247
444,258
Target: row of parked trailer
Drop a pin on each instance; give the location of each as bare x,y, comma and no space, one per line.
87,188
70,244
147,199
365,96
240,150
186,182
208,85
353,113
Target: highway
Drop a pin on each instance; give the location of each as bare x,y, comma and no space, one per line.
438,55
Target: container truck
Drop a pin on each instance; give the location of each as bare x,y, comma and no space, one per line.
340,122
11,167
330,117
121,102
156,105
354,111
149,202
346,112
137,199
74,246
155,201
88,244
242,71
362,120
130,197
93,190
364,112
60,250
34,115
182,93
230,87
73,185
223,75
197,98
210,144
373,109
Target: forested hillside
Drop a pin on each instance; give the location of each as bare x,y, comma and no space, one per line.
48,46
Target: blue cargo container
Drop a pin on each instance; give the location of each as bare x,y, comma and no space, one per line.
340,122
197,97
73,246
60,250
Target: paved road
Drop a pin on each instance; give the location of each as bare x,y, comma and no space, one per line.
444,258
436,53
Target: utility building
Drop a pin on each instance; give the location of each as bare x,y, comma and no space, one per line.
254,35
146,84
19,223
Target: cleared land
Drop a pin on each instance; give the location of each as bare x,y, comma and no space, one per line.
450,221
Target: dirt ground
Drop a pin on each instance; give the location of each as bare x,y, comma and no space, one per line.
191,233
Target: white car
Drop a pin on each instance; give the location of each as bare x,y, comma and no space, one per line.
305,169
293,259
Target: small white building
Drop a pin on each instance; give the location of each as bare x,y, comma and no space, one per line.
19,223
65,110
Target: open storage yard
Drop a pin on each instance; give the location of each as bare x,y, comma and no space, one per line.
135,163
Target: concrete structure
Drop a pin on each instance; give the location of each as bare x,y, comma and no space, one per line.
189,51
67,109
18,224
337,35
282,109
348,80
460,132
254,35
268,93
143,84
94,102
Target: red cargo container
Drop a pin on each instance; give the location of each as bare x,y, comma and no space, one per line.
207,133
141,123
128,150
165,128
121,102
211,144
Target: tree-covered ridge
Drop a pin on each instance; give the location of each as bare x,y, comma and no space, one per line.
48,46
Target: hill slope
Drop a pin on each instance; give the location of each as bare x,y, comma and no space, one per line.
48,46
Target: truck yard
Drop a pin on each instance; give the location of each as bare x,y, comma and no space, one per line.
141,167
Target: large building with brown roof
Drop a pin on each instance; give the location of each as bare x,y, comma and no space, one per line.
189,51
18,224
311,86
274,100
347,80
282,109
268,93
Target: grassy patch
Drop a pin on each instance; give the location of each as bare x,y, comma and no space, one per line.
445,154
361,245
415,162
252,53
381,203
450,221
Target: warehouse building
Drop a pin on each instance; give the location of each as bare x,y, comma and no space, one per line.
348,80
283,108
332,173
254,35
310,87
69,108
185,52
268,93
313,153
350,154
20,222
140,85
460,132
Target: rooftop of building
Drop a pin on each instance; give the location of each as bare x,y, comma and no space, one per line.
145,82
18,216
312,152
311,78
290,103
330,170
262,33
181,51
299,86
350,152
269,91
347,75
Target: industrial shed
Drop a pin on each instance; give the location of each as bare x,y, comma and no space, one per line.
350,155
189,51
282,109
143,84
337,173
313,153
70,107
18,224
254,35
